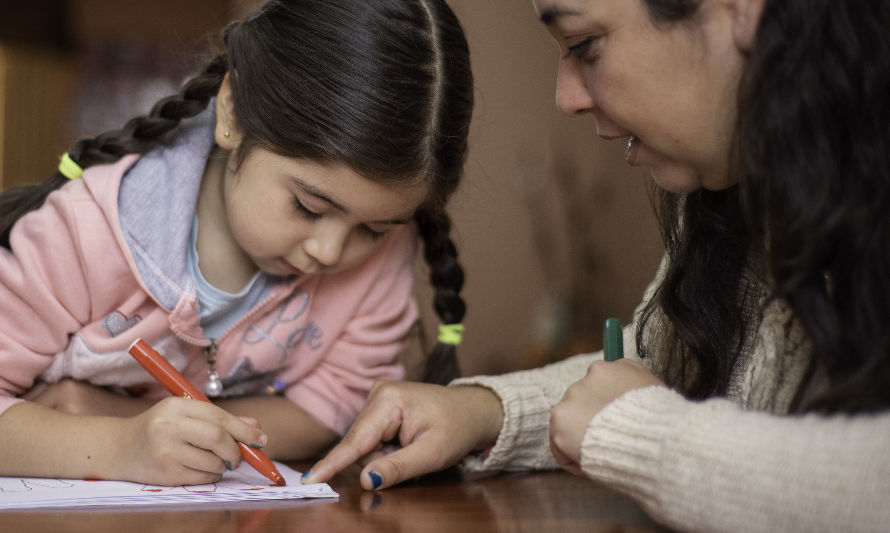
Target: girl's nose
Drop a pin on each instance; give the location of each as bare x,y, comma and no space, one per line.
326,245
572,96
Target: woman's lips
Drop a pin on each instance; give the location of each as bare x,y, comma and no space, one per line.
630,152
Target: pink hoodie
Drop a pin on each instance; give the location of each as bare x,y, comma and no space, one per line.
83,281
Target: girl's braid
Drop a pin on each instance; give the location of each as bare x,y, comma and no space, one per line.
141,133
447,278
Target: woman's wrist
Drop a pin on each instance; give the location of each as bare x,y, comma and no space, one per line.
486,410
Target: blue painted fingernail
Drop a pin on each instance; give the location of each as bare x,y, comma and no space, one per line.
306,473
228,465
376,480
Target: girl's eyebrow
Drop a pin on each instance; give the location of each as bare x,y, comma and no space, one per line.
308,188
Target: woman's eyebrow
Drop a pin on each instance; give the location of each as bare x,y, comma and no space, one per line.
549,15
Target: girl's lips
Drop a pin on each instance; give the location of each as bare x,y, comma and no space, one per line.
290,268
630,152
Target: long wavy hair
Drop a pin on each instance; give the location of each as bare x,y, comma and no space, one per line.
384,86
811,155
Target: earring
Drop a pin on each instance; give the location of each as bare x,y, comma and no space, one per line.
226,134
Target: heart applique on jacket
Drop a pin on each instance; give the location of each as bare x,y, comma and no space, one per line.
116,323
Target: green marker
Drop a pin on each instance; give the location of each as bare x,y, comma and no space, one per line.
613,340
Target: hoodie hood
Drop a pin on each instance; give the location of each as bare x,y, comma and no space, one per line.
156,206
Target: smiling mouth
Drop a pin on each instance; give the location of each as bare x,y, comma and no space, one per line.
628,147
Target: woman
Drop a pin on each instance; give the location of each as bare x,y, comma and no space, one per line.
756,395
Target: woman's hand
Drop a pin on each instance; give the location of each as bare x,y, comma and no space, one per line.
183,442
81,398
436,427
604,382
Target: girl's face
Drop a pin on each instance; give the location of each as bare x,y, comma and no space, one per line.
293,216
668,90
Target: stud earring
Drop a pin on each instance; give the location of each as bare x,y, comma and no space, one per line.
226,134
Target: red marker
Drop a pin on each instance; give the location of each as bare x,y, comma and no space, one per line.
173,381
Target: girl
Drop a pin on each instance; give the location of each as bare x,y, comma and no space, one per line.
765,125
258,228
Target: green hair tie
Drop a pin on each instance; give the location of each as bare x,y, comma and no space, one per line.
68,168
451,333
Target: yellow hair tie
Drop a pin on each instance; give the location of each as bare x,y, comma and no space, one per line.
451,333
69,168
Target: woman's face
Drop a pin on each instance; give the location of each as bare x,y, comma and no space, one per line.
667,89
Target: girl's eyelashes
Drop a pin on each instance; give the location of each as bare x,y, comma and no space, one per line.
304,212
374,235
311,216
579,50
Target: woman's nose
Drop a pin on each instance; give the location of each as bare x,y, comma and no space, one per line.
572,96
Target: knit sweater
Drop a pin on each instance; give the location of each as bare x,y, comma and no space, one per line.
735,463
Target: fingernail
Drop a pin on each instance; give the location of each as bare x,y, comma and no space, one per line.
306,474
262,442
228,465
376,480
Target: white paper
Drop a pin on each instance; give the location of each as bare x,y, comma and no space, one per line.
244,484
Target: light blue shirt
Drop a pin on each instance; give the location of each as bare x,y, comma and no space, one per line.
221,309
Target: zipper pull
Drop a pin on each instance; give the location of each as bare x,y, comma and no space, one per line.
214,384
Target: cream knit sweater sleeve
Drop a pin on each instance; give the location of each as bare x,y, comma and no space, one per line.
527,397
712,466
706,466
737,464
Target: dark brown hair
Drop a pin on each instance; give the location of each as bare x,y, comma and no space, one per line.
811,155
383,86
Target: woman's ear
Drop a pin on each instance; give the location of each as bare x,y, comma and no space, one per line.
226,133
746,19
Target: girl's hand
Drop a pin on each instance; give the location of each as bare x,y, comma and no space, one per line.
81,398
604,382
183,442
436,427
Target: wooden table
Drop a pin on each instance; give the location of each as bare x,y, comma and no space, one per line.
447,502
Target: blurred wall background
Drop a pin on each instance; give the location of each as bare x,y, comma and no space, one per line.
554,230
